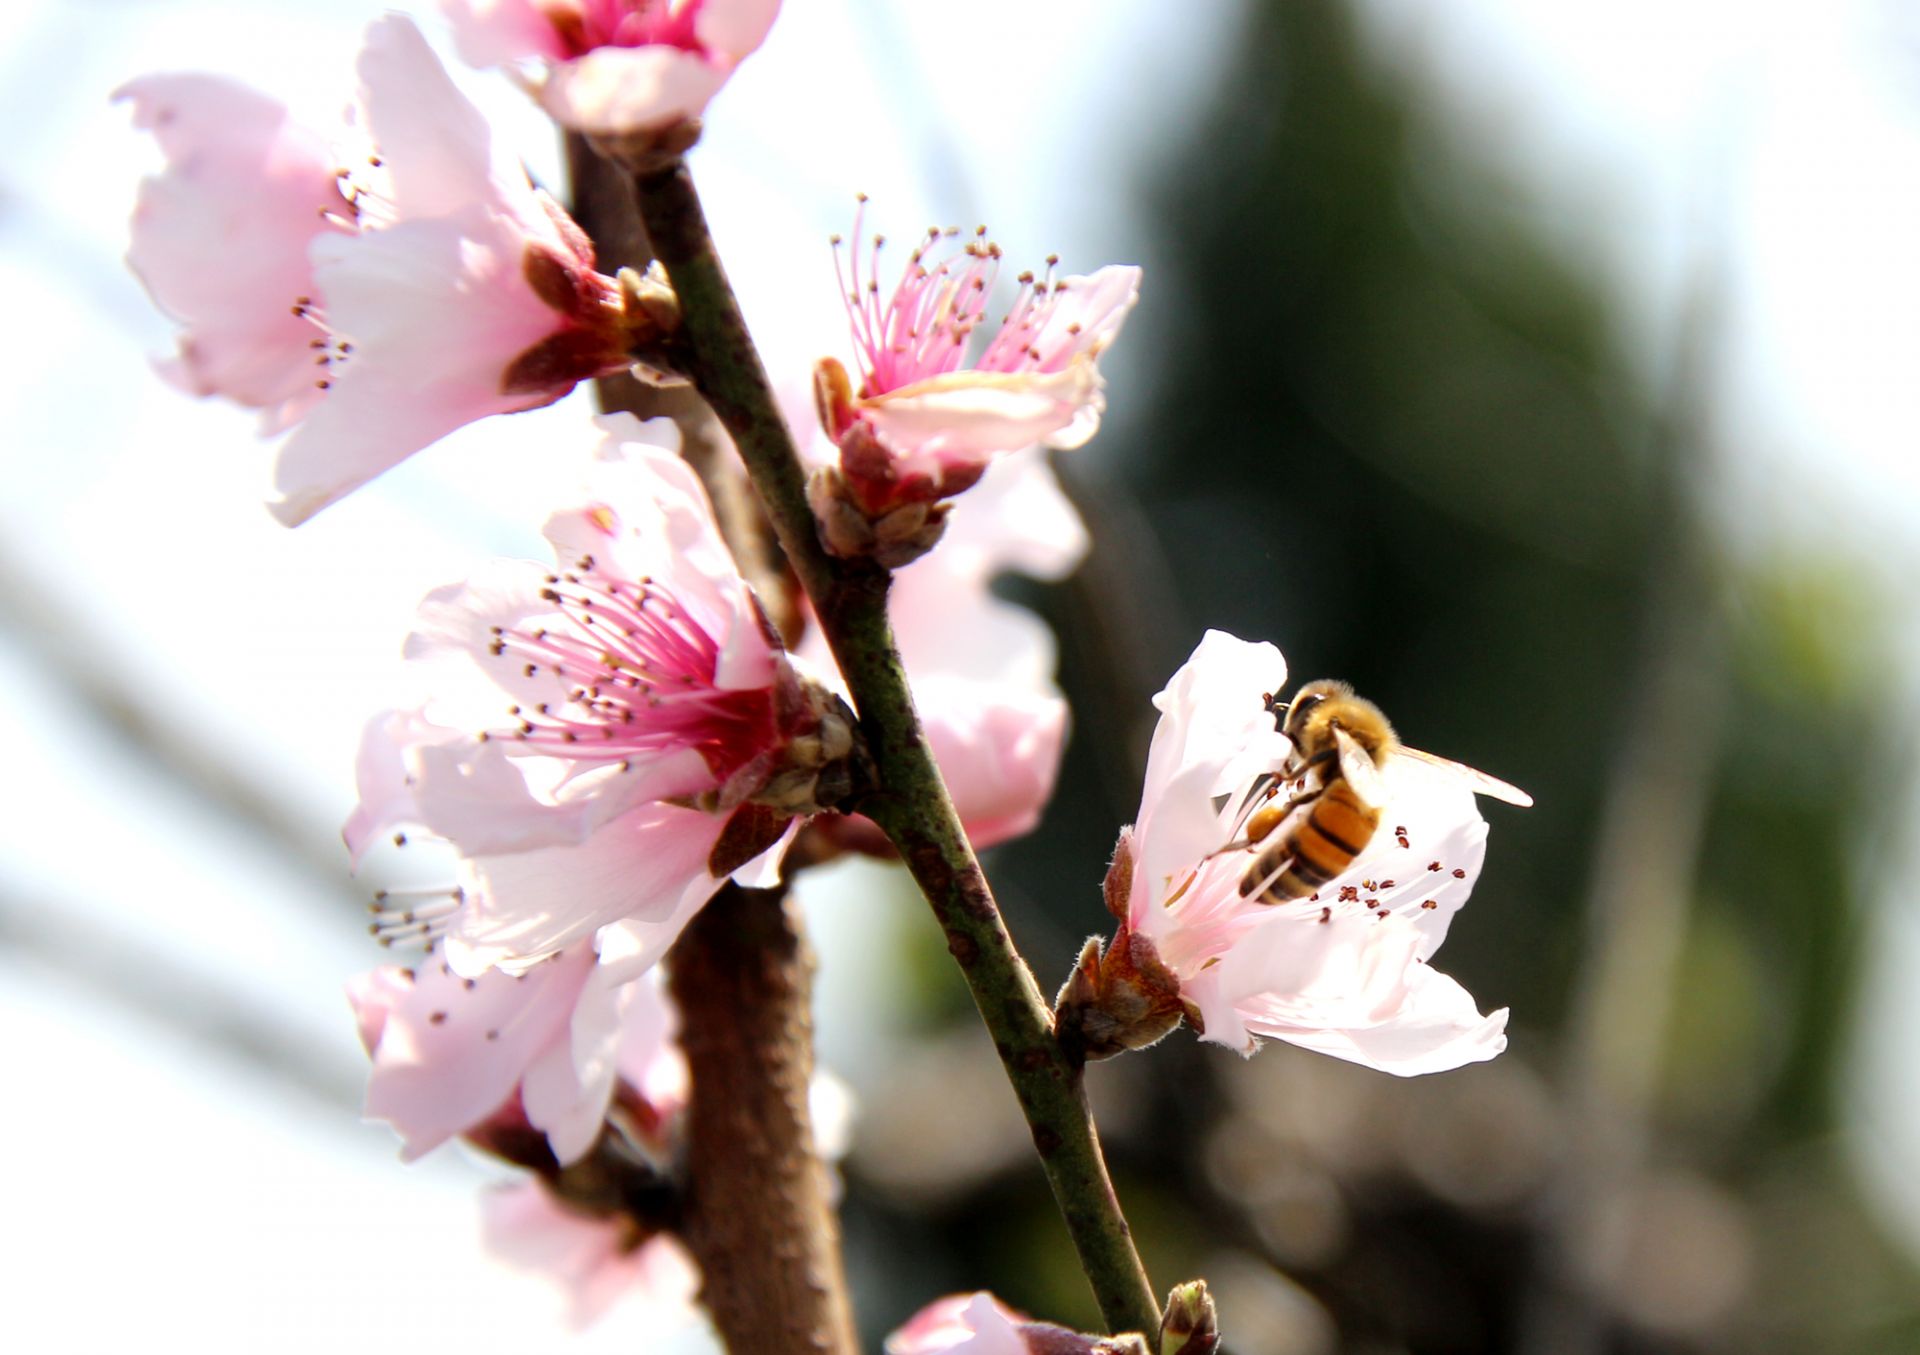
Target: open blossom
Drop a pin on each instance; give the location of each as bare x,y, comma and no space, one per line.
497,1058
979,1324
1345,971
924,421
600,1260
452,1056
614,66
372,285
981,668
607,739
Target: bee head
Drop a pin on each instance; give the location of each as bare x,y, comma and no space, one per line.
1319,708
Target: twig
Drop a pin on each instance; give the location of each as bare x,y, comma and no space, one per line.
911,806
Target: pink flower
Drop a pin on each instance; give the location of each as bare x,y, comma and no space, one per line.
601,1260
1344,972
982,669
615,66
924,422
608,739
372,291
961,1324
451,1054
979,1324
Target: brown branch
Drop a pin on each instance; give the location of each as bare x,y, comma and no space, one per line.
757,1212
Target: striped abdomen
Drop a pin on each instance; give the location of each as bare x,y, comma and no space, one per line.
1318,847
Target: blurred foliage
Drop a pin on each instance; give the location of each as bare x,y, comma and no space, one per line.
1396,438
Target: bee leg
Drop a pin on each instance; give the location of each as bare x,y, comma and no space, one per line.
1264,820
1252,887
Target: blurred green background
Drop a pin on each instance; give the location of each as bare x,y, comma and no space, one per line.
1396,434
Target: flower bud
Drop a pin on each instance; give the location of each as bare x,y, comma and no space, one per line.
863,518
1190,1326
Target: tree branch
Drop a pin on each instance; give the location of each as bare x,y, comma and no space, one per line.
757,1214
912,805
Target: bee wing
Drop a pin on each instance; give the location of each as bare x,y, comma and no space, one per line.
1477,781
1356,766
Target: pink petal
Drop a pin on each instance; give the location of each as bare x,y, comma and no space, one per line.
1352,987
630,89
452,1051
220,237
647,868
374,995
998,748
438,151
1016,518
648,516
436,311
565,1091
594,1260
961,1324
735,28
384,783
1093,309
1440,1029
501,32
963,419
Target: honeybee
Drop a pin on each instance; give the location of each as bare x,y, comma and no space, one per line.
1343,742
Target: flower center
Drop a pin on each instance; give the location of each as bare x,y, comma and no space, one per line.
637,672
586,24
922,329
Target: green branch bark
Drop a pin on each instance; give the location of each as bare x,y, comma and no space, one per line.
911,804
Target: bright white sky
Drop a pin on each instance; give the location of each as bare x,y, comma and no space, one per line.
233,1205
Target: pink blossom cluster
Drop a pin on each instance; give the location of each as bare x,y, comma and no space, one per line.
605,738
369,285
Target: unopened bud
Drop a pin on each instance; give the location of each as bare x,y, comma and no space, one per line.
1191,1326
908,532
844,529
650,326
816,769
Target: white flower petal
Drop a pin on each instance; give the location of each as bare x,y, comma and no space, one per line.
734,28
614,90
648,867
437,149
964,418
501,32
452,1050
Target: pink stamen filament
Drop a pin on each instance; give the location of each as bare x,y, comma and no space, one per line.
921,329
627,23
638,672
